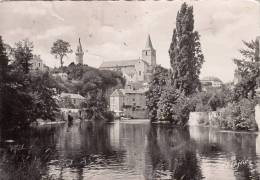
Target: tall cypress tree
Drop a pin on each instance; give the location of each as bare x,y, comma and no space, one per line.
185,53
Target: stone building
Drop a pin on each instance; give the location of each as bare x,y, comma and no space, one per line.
129,103
136,70
211,81
63,76
37,63
79,54
76,99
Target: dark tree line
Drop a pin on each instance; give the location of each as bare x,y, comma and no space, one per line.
24,95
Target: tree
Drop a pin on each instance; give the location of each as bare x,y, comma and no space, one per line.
3,72
24,96
60,49
185,53
42,90
174,107
248,68
23,55
157,85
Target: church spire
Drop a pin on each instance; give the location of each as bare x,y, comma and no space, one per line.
149,53
148,43
79,48
79,54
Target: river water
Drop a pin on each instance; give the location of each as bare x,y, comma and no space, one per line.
138,150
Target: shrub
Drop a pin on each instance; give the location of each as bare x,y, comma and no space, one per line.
109,116
174,107
237,116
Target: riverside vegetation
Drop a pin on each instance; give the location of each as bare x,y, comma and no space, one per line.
26,95
176,92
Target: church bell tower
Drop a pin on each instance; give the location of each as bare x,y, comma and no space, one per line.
79,54
149,53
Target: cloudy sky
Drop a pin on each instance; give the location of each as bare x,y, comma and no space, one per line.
118,30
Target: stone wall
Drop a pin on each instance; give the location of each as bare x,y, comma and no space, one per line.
202,118
197,118
137,114
257,115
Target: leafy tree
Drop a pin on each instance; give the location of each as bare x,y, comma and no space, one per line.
157,85
3,61
42,90
23,55
24,96
185,53
249,71
60,49
174,107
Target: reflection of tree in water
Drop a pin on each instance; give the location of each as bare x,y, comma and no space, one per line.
172,154
238,148
27,157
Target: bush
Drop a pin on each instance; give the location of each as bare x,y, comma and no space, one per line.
174,107
109,116
237,116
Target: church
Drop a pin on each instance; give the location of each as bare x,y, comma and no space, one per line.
135,70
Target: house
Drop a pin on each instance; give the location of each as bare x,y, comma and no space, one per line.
135,70
128,102
211,81
117,102
37,63
63,76
75,99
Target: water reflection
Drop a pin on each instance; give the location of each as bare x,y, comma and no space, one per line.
139,150
172,154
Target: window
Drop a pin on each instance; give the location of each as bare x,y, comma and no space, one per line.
133,99
39,64
140,73
146,53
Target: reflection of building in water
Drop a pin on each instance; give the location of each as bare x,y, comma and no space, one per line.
133,138
114,134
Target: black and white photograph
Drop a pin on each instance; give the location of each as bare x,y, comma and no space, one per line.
130,90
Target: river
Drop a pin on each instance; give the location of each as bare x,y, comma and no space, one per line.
138,150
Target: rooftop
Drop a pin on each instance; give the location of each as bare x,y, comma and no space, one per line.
72,96
211,78
123,63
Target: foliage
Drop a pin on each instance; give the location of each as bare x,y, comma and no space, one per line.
23,55
174,107
157,84
24,96
167,98
212,99
237,116
42,90
248,70
60,49
93,84
66,102
20,162
185,53
95,105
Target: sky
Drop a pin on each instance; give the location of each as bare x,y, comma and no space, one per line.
118,30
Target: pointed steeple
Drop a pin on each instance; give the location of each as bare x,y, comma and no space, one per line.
79,54
149,53
148,43
79,48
